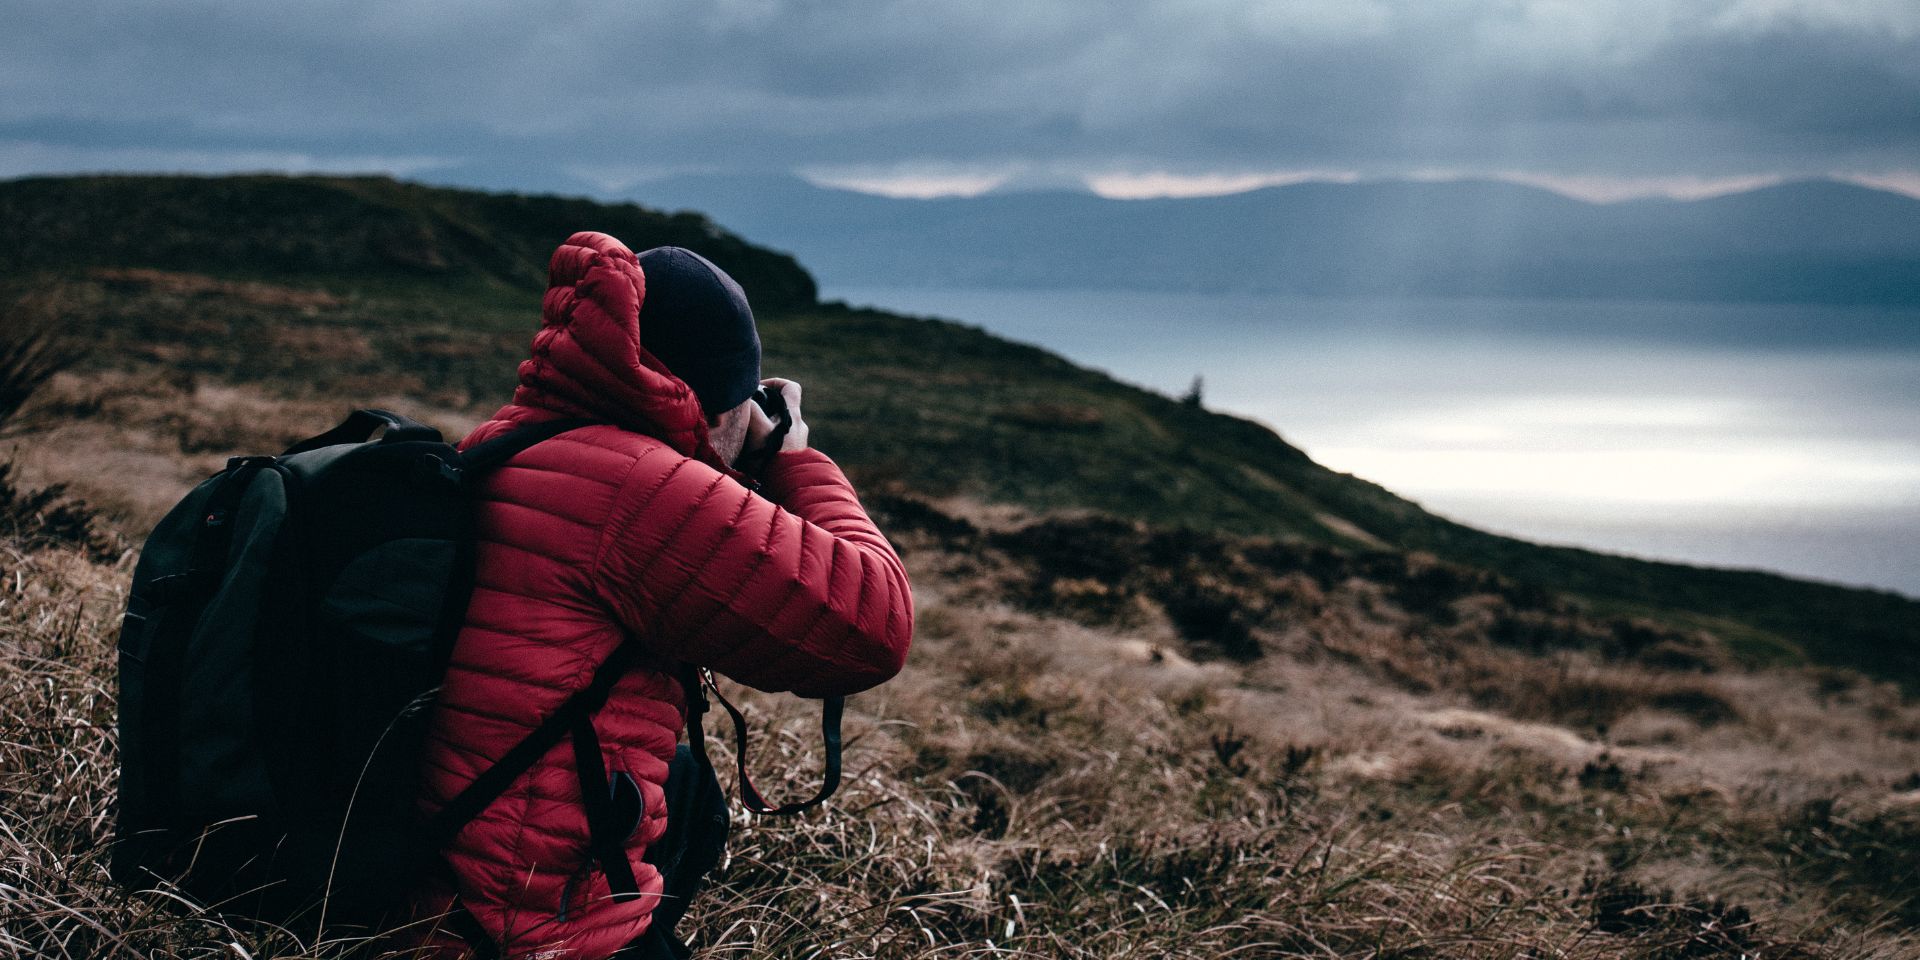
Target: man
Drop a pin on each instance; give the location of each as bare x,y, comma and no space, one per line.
638,526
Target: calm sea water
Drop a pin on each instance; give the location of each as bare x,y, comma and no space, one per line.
1777,437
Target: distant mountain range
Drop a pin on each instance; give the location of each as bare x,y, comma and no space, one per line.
1808,241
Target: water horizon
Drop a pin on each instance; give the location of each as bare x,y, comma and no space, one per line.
1775,437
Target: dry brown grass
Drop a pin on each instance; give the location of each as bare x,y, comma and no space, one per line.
131,443
1386,781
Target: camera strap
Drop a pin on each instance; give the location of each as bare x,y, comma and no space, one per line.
698,683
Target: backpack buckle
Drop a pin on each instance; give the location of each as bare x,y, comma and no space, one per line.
243,463
430,470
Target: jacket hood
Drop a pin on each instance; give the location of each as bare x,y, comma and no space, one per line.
587,359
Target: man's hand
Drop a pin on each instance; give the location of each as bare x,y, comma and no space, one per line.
761,426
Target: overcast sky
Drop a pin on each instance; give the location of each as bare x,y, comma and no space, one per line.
1605,97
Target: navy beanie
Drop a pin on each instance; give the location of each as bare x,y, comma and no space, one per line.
696,320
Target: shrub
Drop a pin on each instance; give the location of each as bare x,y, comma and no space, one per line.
31,351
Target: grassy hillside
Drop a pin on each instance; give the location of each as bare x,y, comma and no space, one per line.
363,287
1176,691
1114,741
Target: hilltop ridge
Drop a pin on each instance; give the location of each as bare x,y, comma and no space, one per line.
370,229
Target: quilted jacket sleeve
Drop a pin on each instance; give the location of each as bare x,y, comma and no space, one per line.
796,590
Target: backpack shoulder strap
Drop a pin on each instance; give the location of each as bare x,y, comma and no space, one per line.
494,780
482,457
360,426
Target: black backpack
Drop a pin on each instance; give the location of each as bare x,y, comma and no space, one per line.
288,626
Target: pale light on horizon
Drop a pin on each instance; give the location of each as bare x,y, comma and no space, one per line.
1606,189
1157,184
1898,181
914,186
1730,476
1599,450
1161,183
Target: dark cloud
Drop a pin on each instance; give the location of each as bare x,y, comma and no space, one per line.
1627,87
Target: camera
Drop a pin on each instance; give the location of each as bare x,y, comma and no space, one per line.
774,403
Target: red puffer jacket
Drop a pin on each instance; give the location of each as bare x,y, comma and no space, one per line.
635,529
